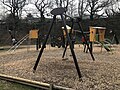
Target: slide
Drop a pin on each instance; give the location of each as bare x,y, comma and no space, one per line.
106,45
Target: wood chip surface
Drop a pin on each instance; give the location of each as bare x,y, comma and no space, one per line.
101,74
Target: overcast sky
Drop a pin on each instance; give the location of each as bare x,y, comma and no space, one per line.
28,8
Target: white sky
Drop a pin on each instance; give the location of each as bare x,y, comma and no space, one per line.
29,8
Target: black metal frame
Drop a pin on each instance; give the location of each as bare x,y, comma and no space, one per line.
88,47
55,12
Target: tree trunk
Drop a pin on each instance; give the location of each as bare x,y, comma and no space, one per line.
42,17
91,16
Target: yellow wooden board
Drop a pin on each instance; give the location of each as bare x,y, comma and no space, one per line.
68,30
64,32
92,34
97,31
33,34
101,34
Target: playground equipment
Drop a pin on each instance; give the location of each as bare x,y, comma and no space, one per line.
14,47
33,34
13,39
97,35
77,20
68,30
57,40
10,37
114,38
60,11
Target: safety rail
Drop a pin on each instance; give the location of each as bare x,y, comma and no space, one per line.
13,48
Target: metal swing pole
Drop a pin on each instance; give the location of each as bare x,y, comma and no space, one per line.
67,40
90,49
58,11
44,44
71,48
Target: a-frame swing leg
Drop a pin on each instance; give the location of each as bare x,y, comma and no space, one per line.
67,40
65,49
44,44
71,48
90,49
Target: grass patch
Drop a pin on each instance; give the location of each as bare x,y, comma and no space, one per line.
6,85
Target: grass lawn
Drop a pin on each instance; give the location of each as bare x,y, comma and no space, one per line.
6,85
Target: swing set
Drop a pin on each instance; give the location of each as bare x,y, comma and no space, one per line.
60,11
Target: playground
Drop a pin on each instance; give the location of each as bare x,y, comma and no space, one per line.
91,64
101,74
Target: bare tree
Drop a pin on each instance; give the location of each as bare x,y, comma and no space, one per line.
63,3
113,9
14,7
82,7
71,8
96,6
2,12
42,6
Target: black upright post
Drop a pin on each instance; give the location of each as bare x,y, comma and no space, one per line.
90,49
37,44
44,44
65,49
67,40
71,48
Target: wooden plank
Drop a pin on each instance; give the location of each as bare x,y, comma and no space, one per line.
23,81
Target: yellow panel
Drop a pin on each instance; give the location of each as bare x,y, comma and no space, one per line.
68,31
92,34
33,34
64,32
101,34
